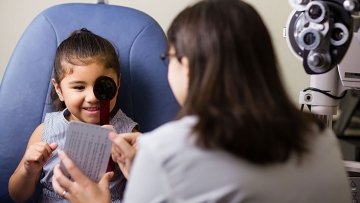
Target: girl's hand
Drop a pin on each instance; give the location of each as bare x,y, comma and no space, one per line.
123,150
36,156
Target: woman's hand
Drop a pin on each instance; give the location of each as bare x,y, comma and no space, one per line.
124,150
81,189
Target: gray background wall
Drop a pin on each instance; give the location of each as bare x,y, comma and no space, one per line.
16,15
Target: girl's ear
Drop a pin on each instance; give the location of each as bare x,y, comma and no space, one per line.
57,89
119,83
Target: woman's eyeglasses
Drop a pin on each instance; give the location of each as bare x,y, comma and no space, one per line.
166,55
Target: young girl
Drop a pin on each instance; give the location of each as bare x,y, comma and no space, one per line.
79,61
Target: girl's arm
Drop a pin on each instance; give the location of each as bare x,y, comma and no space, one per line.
23,181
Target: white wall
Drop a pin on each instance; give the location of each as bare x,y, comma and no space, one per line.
16,15
275,13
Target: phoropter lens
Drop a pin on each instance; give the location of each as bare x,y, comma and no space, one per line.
309,38
315,12
337,34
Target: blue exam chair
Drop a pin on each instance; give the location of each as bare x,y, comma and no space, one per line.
144,95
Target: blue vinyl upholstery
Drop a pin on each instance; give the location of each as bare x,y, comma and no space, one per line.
144,95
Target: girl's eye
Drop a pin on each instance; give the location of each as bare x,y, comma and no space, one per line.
79,87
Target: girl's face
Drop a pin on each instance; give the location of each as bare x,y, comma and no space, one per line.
76,90
178,76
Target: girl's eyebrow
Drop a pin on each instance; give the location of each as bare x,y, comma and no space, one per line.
76,82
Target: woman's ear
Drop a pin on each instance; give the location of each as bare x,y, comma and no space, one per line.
57,89
185,64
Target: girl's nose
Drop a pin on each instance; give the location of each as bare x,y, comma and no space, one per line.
90,96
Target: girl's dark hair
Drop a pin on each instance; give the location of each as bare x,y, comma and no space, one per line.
234,85
82,47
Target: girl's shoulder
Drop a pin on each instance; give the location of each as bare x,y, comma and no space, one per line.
55,125
55,116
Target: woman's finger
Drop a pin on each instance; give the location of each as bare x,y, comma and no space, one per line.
72,169
131,137
104,181
60,182
115,150
121,145
59,176
110,127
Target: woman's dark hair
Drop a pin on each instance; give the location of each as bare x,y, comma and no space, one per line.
234,83
82,47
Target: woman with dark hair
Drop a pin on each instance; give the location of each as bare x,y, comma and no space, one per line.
238,138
